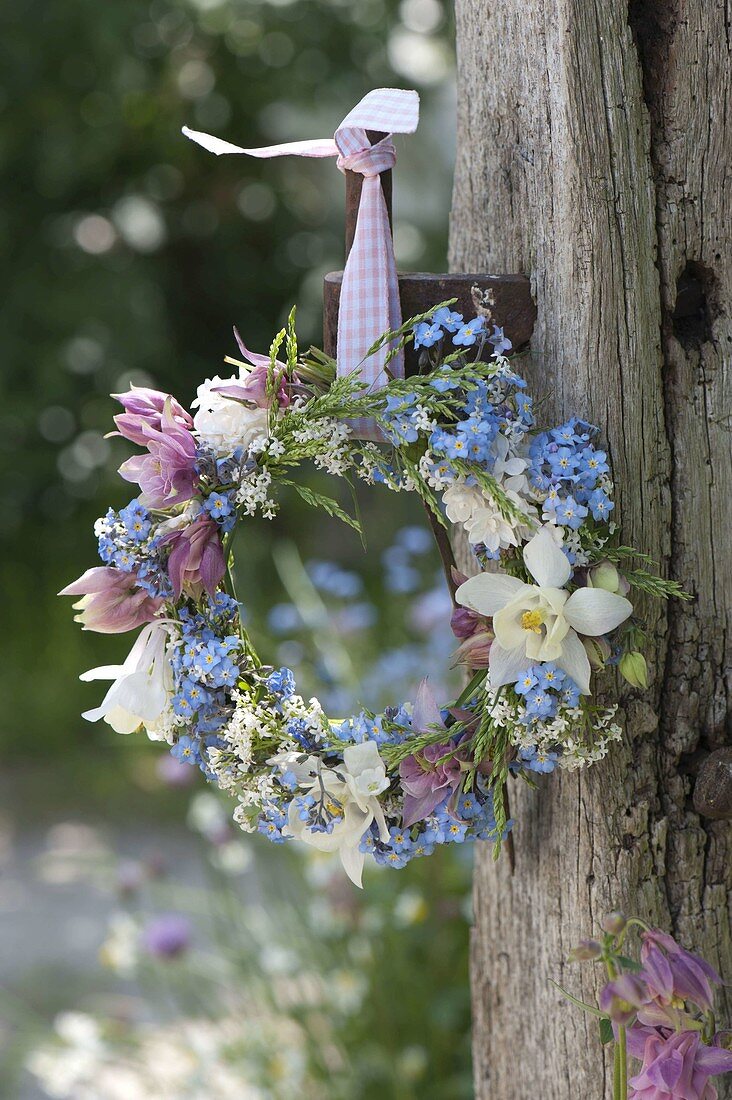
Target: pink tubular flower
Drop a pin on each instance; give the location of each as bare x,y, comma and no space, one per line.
167,473
252,388
673,973
477,637
430,776
144,409
196,559
111,602
676,1065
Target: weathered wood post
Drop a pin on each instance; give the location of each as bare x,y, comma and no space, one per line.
595,155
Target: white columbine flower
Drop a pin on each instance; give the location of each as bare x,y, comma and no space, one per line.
142,685
541,622
351,796
224,424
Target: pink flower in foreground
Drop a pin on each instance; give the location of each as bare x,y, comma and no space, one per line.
144,409
673,973
111,602
430,776
167,473
676,1065
196,559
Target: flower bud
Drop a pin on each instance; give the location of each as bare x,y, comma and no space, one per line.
614,923
604,575
634,668
598,652
585,951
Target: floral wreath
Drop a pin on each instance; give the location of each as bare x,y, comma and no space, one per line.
548,609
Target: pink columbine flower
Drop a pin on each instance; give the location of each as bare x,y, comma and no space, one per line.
673,973
144,409
196,561
111,602
676,1065
430,776
621,998
252,388
167,473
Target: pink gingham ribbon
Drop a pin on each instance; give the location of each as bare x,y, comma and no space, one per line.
369,303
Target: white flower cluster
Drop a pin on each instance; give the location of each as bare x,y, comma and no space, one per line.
332,437
253,494
564,732
250,725
478,512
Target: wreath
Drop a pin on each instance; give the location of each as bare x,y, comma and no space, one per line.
546,614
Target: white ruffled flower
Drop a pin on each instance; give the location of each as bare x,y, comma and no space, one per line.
352,796
477,511
224,424
542,622
142,685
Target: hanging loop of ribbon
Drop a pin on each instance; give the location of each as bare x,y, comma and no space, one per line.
369,303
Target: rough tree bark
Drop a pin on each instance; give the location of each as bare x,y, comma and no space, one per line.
595,141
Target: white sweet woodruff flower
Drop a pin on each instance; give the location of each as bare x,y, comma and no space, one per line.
542,622
224,424
350,796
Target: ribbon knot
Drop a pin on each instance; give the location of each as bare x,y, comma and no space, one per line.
369,303
370,161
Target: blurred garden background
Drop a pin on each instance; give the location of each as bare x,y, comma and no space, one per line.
147,949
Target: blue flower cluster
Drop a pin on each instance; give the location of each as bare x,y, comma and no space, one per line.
124,542
385,729
444,322
205,668
568,468
543,688
222,508
472,819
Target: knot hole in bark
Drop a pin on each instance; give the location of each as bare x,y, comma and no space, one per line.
652,24
696,306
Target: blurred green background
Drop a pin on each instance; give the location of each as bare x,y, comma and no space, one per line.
129,253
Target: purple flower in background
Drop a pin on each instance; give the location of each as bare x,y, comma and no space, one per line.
672,972
172,773
167,473
196,559
111,600
167,936
676,1065
144,409
432,775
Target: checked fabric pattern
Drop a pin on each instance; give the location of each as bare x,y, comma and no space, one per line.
369,303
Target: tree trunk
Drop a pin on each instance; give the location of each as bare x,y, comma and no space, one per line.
594,147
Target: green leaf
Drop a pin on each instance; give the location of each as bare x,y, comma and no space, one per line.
319,500
606,1031
628,964
576,1001
472,687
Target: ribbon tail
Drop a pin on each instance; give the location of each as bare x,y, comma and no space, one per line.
315,147
370,291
